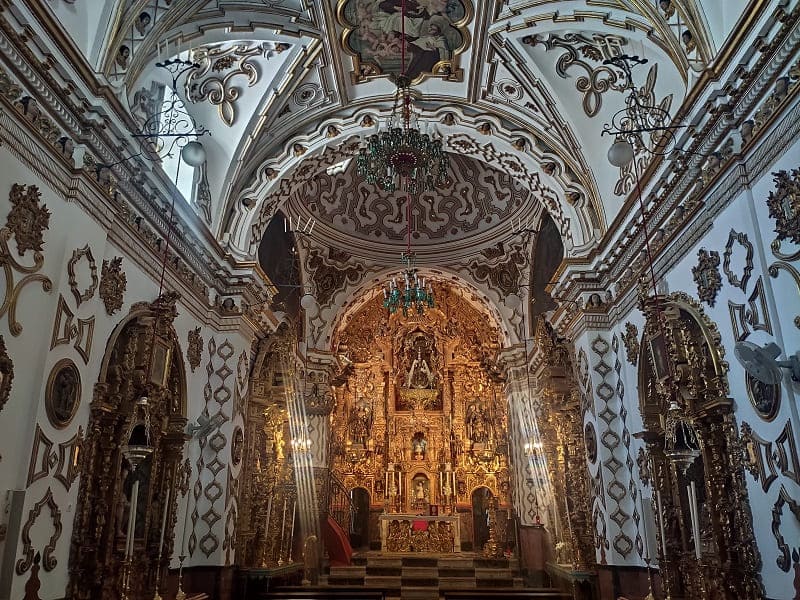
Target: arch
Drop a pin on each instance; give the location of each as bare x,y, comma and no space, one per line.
142,383
704,506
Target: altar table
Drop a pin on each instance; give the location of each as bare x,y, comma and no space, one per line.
420,533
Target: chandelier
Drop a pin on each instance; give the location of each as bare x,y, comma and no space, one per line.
401,156
413,296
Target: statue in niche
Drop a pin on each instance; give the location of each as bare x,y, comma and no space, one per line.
421,490
419,375
477,420
418,446
360,422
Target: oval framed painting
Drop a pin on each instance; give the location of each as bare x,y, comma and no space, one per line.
63,394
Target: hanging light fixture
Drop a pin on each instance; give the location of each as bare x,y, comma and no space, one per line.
412,292
401,156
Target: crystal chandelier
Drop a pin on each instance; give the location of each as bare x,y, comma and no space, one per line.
401,156
413,296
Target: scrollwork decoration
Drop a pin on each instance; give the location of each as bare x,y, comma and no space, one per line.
194,349
775,268
49,561
784,558
733,278
784,205
579,50
6,373
631,341
706,276
77,255
26,223
113,283
216,67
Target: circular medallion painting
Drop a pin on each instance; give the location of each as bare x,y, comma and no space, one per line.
765,397
63,393
590,436
237,446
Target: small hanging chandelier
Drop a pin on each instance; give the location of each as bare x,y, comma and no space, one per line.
414,294
401,156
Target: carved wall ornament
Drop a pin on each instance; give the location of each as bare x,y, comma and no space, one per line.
706,276
49,561
63,393
735,237
580,51
765,397
775,269
43,458
27,219
26,222
643,462
65,330
194,348
784,205
88,292
754,316
113,283
784,558
765,460
590,438
216,67
6,373
631,341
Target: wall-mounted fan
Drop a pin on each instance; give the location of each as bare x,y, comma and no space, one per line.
762,364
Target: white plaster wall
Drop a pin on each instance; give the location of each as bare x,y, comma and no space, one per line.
71,228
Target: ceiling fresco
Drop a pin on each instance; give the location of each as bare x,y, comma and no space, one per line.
435,35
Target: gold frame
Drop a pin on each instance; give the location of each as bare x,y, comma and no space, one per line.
456,71
161,358
48,399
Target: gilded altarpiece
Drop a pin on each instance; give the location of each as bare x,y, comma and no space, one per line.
420,420
681,359
132,369
267,494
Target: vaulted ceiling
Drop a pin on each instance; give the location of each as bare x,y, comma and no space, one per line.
517,90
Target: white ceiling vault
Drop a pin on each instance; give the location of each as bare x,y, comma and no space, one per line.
516,89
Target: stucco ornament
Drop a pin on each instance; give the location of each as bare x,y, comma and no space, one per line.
113,283
706,276
784,205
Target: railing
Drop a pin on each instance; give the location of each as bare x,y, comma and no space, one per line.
334,501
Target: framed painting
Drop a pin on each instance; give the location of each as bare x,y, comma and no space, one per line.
436,35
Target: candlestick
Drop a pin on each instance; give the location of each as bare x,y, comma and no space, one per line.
283,533
157,596
695,518
291,529
269,516
132,519
661,525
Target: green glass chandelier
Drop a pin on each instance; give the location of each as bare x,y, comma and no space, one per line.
400,156
414,296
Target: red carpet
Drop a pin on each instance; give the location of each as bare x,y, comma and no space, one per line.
336,541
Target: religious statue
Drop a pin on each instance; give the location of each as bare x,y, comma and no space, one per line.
360,423
478,425
420,376
421,490
418,446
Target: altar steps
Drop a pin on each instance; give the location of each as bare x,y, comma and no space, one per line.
425,577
